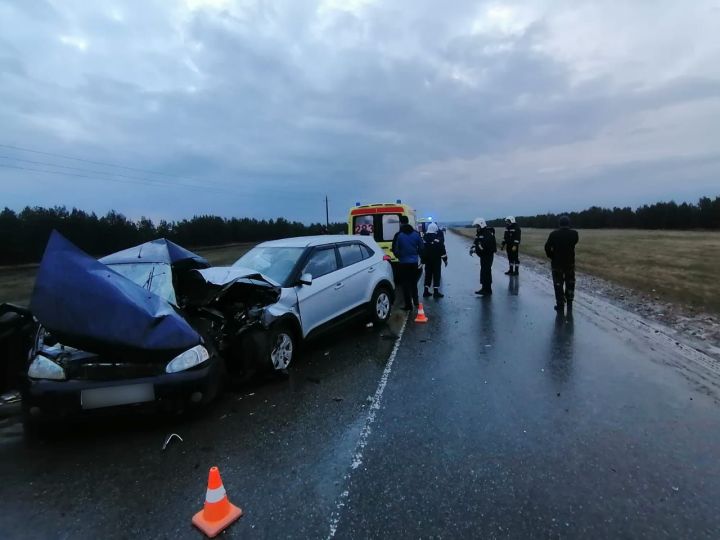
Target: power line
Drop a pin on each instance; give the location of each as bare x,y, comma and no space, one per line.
205,186
103,163
150,182
70,174
106,173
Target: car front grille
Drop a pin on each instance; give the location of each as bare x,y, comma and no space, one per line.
114,371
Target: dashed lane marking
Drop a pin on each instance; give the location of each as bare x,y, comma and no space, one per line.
365,434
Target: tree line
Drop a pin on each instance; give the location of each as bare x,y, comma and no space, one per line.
25,233
705,214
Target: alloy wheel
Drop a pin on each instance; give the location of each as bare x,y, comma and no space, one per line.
382,306
282,352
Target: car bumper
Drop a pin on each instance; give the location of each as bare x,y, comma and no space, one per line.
46,399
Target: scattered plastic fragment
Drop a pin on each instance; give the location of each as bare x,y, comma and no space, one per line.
170,438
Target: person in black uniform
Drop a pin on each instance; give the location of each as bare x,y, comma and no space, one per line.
511,243
485,247
560,249
434,254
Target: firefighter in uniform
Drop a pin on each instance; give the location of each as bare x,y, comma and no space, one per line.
485,247
560,249
511,243
434,254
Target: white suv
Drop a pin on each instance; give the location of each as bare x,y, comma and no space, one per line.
323,281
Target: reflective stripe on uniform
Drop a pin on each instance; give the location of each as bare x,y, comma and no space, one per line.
215,495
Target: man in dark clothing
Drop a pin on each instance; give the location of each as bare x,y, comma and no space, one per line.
560,249
511,243
407,247
485,247
434,254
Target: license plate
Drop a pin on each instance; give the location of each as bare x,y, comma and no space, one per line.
111,396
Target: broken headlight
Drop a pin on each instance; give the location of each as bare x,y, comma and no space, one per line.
44,368
190,358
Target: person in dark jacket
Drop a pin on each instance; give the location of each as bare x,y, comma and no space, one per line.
511,243
434,255
560,249
485,247
407,247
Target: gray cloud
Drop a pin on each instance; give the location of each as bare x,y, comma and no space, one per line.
486,107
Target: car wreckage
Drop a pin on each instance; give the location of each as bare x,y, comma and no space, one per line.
141,327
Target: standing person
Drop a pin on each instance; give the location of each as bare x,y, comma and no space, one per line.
485,247
407,247
434,254
560,249
511,243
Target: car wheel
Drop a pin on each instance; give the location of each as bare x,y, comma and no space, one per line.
380,306
282,346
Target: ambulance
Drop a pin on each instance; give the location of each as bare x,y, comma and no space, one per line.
381,221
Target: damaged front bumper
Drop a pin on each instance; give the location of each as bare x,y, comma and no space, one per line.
45,400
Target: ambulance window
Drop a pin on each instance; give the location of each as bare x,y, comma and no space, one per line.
390,226
364,225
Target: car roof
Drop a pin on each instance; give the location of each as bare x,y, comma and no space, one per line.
310,241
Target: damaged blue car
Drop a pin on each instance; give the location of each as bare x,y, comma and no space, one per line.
138,329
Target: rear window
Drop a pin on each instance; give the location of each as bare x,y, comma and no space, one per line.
367,252
381,227
364,225
350,254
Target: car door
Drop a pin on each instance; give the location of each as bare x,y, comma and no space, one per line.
320,301
355,273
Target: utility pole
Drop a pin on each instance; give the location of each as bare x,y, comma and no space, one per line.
327,214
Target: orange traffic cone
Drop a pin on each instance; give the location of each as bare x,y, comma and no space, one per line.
218,512
421,318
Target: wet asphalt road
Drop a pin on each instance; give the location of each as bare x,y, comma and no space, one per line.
494,420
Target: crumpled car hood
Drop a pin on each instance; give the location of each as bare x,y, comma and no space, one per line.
222,275
86,305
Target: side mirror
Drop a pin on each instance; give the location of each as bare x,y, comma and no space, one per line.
306,279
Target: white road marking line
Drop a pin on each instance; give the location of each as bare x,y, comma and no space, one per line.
365,433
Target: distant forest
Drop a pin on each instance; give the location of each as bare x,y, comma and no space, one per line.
663,215
25,234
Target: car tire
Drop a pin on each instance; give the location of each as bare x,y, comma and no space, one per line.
380,305
282,346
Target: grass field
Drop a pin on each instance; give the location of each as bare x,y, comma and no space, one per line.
16,282
677,266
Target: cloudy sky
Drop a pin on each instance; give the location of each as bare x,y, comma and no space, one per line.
260,108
